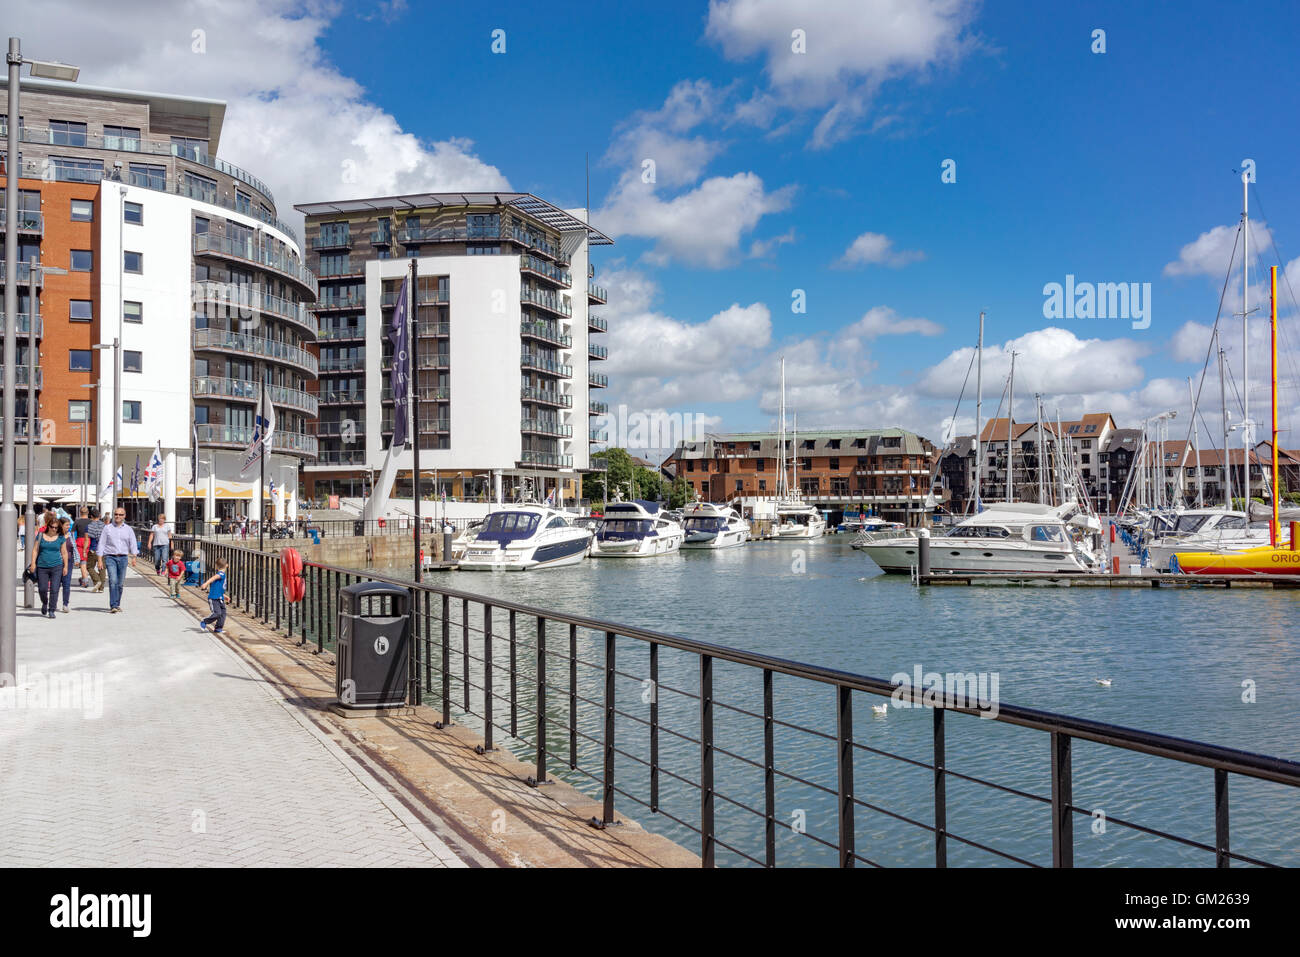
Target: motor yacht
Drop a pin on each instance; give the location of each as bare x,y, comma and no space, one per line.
526,537
713,526
636,530
797,520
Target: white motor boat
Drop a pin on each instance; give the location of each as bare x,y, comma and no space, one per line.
636,530
713,526
526,537
1215,531
1006,538
797,520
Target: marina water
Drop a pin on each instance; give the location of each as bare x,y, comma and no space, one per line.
1180,662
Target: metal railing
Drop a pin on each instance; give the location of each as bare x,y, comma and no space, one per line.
23,323
597,293
250,252
546,300
533,361
242,435
248,389
227,341
596,323
243,301
658,722
545,331
547,396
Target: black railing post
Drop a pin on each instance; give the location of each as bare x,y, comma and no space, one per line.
487,677
464,650
706,761
1062,812
514,680
654,726
608,814
940,794
573,697
1221,858
844,734
769,771
413,682
541,700
446,659
428,652
319,593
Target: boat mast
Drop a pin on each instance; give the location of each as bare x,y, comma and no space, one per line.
1196,449
1011,418
1038,404
1245,342
1060,451
780,442
979,424
1274,525
795,443
1223,398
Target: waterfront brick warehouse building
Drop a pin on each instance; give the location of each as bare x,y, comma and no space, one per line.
885,471
508,343
180,256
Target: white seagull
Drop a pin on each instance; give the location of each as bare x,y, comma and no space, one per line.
880,710
1104,682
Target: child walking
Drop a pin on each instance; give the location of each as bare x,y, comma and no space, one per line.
216,586
175,573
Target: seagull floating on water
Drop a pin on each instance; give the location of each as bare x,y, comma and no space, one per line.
1104,682
880,709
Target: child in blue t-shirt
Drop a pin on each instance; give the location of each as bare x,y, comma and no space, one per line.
216,586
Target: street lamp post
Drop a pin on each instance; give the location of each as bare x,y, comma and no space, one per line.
116,346
8,508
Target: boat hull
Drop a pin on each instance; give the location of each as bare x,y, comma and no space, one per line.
899,558
648,547
533,558
726,538
1253,561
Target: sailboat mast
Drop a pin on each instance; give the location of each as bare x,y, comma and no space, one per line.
1274,525
1223,399
780,442
1196,448
1011,418
1060,451
1038,406
795,443
1245,341
979,421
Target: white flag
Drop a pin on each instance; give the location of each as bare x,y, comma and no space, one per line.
263,430
153,474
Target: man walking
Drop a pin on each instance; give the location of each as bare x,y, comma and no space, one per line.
159,539
83,541
93,531
117,545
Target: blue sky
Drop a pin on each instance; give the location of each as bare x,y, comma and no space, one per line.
770,164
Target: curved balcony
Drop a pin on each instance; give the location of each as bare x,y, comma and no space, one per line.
546,427
222,340
547,397
210,244
238,436
245,300
549,301
546,333
530,361
247,390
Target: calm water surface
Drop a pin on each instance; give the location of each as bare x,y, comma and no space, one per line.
1177,660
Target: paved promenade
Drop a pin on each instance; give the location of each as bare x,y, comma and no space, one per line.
169,749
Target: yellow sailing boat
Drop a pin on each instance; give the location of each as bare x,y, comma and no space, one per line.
1271,559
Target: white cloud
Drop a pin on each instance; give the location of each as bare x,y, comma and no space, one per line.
1210,253
852,47
292,118
884,321
660,136
877,249
703,227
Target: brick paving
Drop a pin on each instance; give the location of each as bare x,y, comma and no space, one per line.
195,759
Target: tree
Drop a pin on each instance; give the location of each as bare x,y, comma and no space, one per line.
593,486
619,465
649,484
680,493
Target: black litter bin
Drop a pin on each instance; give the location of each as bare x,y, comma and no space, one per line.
374,635
359,527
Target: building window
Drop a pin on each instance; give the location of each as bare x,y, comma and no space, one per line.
132,361
80,310
199,187
80,360
71,169
67,133
133,213
147,175
126,138
243,203
201,417
79,411
189,148
760,465
133,262
83,211
201,226
835,463
82,260
762,483
132,311
131,410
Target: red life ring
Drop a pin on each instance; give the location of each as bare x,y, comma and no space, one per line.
291,576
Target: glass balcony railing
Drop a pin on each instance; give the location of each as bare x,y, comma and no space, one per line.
547,397
546,300
277,262
24,272
248,389
431,328
597,380
535,457
598,293
546,427
597,435
341,457
349,429
242,435
23,378
532,361
546,269
597,352
243,300
28,221
329,363
332,239
334,333
23,321
598,408
546,332
424,297
597,324
330,396
340,301
223,340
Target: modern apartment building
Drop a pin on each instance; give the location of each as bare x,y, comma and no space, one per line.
179,256
506,342
886,471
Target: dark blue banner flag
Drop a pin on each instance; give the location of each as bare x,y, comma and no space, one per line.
400,375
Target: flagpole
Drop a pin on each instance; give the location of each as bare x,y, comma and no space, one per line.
414,408
261,483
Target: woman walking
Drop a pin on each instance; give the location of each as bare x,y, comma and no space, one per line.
69,545
50,562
